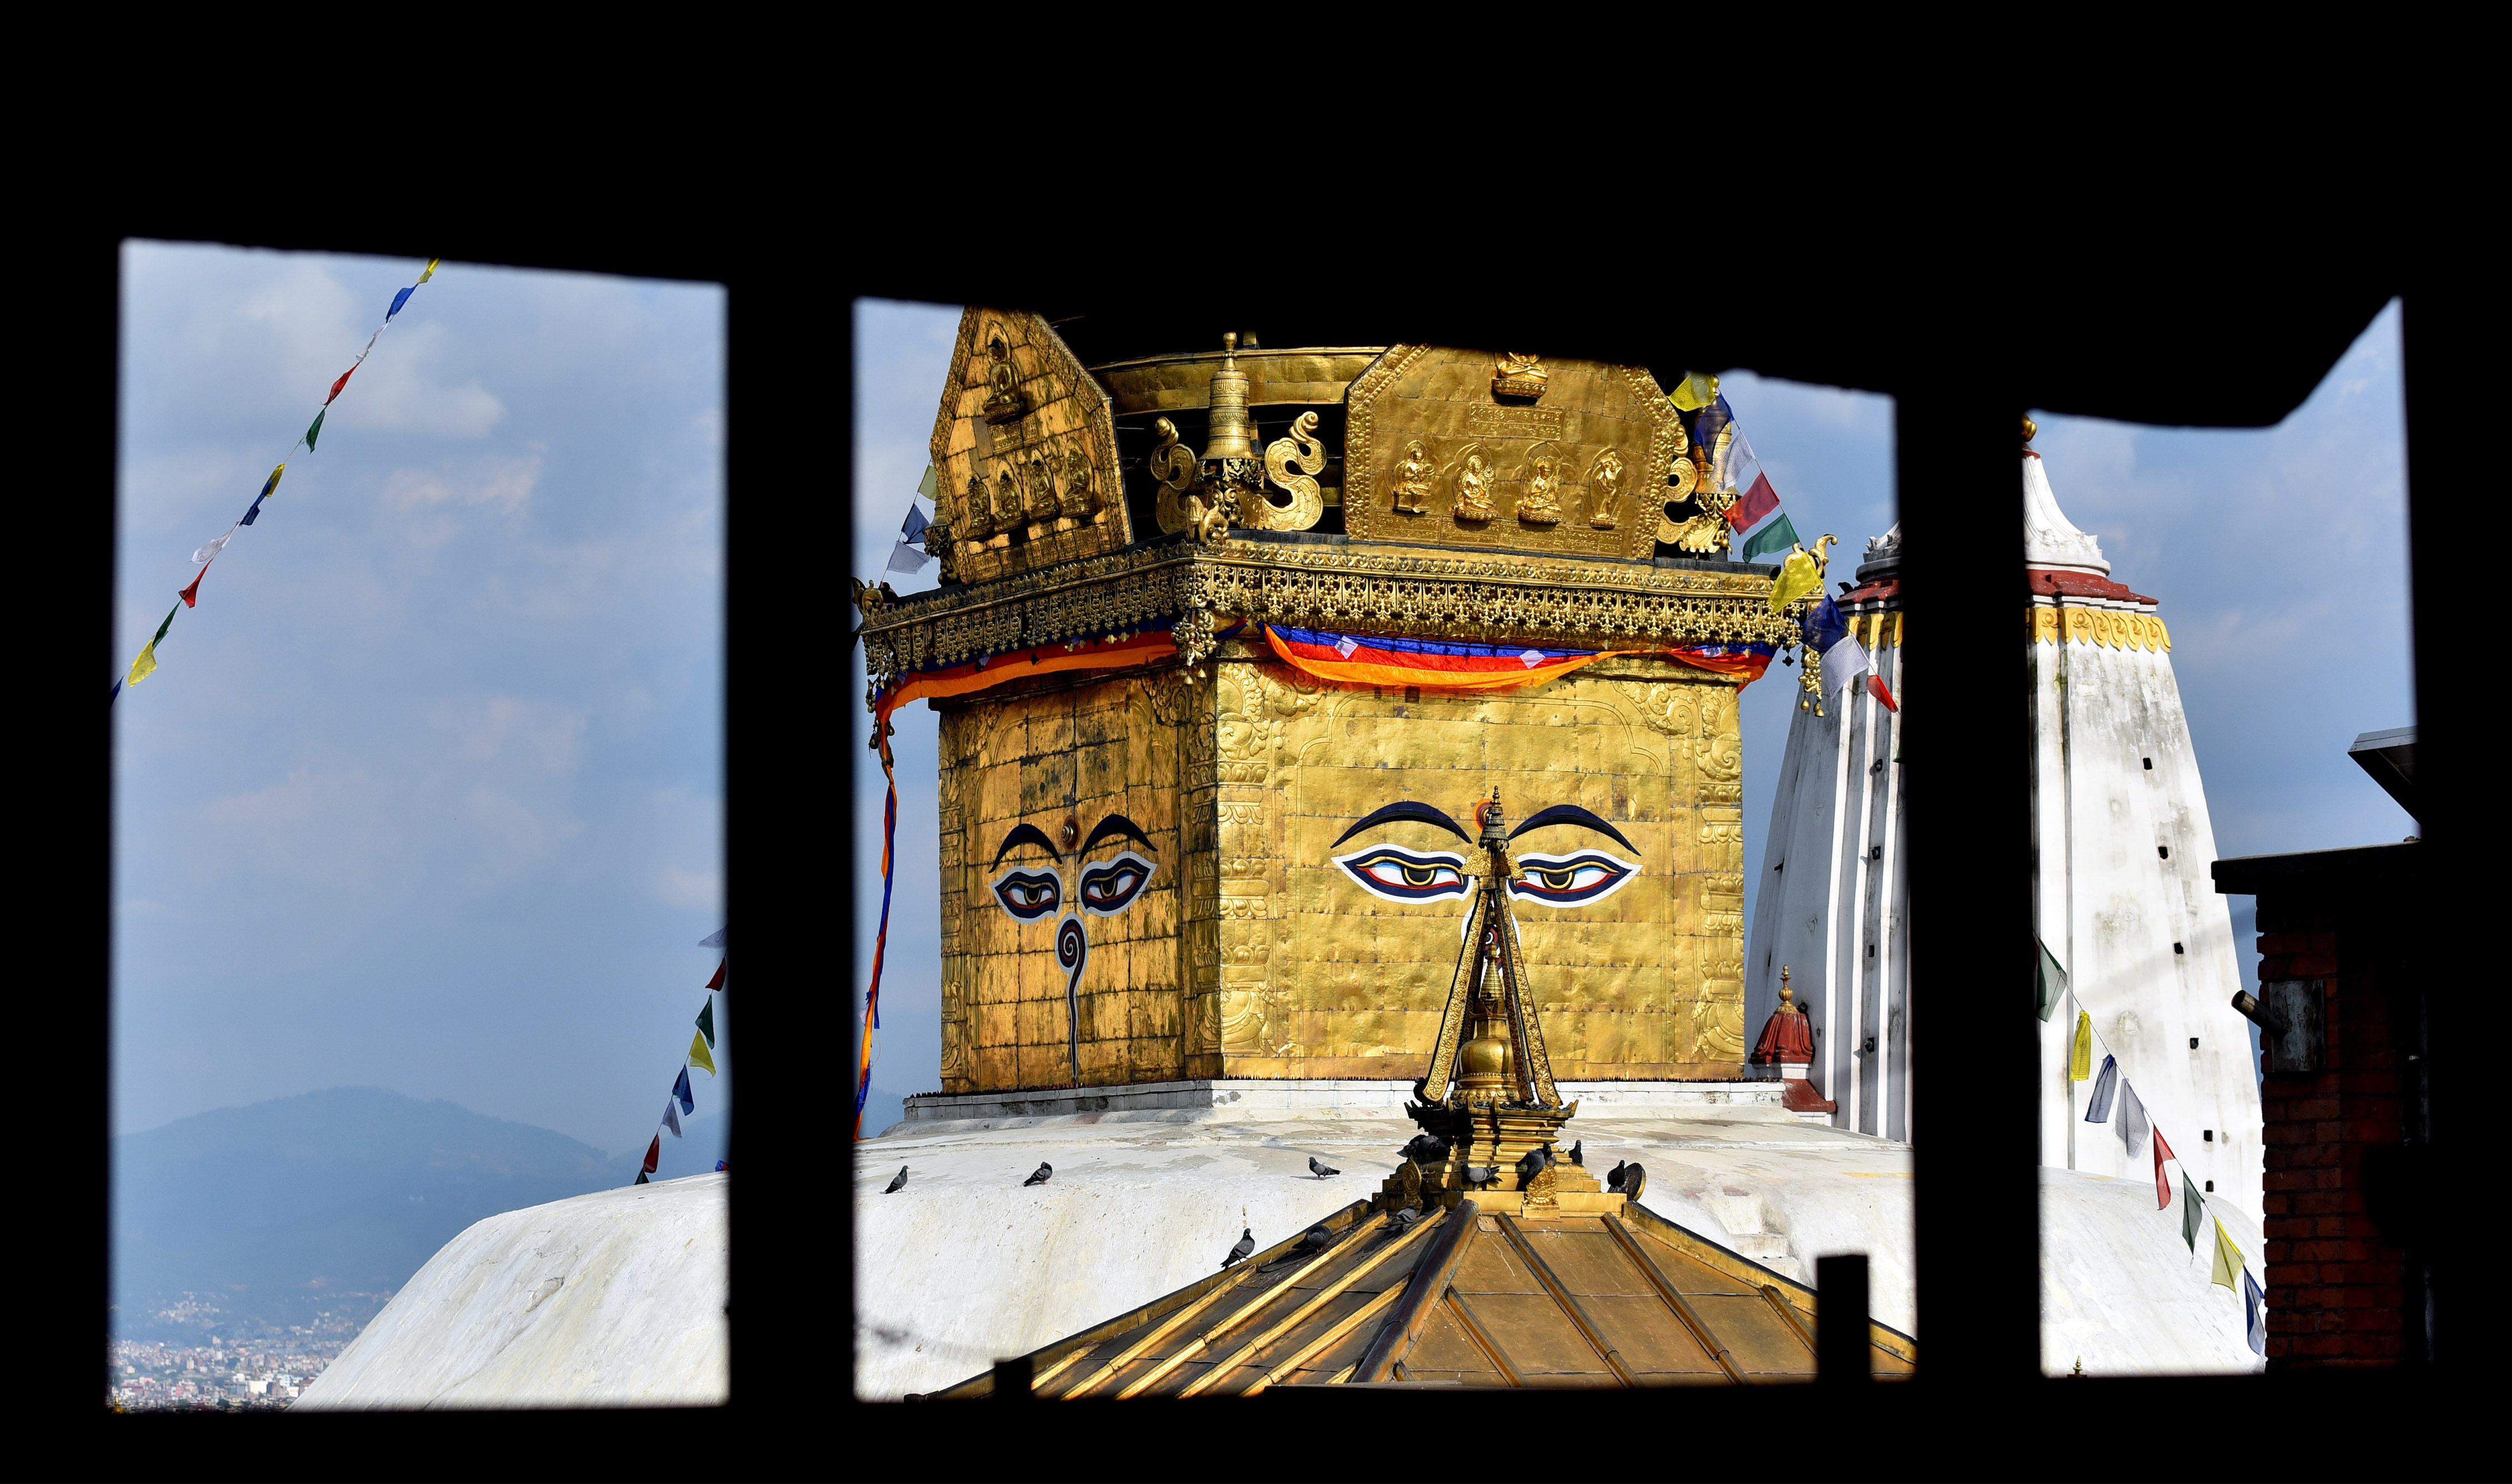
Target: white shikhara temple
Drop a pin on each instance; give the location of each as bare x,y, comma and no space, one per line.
2121,876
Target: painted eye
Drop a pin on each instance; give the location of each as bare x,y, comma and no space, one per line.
1400,875
1571,881
1029,895
1108,887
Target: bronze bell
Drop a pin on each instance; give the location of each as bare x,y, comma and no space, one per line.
1230,433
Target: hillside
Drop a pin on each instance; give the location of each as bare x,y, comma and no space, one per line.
271,1213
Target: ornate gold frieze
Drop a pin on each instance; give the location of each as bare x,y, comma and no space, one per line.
1024,449
2109,628
1456,448
1383,587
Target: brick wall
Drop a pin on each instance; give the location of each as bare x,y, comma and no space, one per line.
2335,1285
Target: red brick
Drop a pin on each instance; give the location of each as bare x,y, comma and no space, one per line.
2375,1130
2310,1107
2290,1275
2371,1341
2318,1345
2272,1206
2320,1202
2307,1156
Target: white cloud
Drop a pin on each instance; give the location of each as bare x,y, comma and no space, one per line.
541,737
675,887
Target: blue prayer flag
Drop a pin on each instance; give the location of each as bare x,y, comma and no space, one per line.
680,1090
714,939
1825,627
399,299
2254,1319
2105,1087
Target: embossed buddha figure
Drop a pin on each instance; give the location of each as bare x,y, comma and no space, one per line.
1098,882
1604,488
1541,505
1414,473
1474,487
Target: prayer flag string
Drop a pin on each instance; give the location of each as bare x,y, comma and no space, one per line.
209,553
681,1101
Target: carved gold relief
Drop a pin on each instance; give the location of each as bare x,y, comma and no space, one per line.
1604,490
1519,377
1291,464
1541,505
1502,453
1025,444
1473,482
1414,478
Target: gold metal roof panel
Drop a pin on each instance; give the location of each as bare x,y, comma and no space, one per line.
1624,1300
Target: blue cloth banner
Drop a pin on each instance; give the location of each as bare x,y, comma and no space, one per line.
399,299
2105,1087
680,1090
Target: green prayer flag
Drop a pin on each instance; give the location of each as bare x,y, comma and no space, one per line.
2192,1210
316,431
641,1177
2051,981
706,1024
932,485
1779,535
168,624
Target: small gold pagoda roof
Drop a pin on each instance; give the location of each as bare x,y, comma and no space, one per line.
1464,1297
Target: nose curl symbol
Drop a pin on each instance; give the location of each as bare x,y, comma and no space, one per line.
1073,954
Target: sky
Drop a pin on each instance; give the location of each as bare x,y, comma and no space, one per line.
427,792
2279,554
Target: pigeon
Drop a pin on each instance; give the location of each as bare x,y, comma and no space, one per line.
1426,1150
1245,1245
1313,1240
1614,1177
1579,1154
1404,1220
1478,1178
1634,1180
895,1184
1321,1171
1041,1175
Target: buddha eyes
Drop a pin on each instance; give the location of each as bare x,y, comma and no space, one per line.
1110,886
1571,881
1029,895
1400,875
1105,888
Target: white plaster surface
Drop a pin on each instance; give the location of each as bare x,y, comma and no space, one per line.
612,1298
2120,1291
963,1264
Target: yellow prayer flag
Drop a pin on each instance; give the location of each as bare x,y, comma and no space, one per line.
142,667
2228,1261
1695,393
698,1054
2080,1065
429,271
1798,577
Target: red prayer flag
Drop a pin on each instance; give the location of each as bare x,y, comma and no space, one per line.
717,981
2162,1185
1876,684
654,1154
191,595
336,385
1754,503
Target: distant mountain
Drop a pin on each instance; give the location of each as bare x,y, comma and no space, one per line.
276,1210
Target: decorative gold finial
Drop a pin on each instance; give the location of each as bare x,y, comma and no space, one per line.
2031,430
1231,434
1787,995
